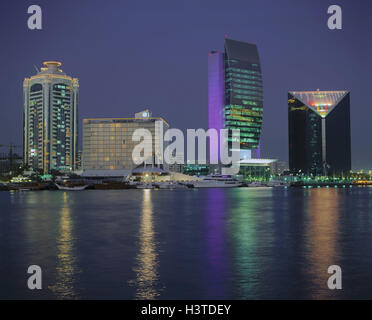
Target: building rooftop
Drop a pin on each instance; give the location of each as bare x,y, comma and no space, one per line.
141,116
257,162
322,102
51,67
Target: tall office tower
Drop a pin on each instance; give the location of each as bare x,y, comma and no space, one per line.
50,119
319,132
235,95
108,142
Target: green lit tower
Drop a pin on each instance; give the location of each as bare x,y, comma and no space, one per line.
235,94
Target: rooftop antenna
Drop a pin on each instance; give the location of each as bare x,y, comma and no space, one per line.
37,70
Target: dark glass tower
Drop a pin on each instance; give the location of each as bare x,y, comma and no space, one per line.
235,93
319,132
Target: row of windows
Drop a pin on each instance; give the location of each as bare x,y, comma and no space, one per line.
240,115
243,76
250,135
241,123
244,129
243,86
243,110
107,158
237,80
240,96
242,70
244,118
117,127
227,61
248,140
237,106
61,86
253,93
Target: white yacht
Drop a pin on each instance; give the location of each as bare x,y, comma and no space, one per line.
217,181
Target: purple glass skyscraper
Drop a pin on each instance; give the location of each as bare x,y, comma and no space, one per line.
235,95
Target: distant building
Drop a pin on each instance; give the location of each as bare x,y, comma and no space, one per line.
257,169
78,160
319,132
108,145
50,119
279,167
235,95
9,163
196,169
179,165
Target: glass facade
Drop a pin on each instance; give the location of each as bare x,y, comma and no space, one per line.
108,142
319,132
50,119
236,92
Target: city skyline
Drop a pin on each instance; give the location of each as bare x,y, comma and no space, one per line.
147,81
180,151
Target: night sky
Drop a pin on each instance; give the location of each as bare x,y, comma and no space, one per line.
131,55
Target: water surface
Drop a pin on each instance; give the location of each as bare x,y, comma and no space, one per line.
243,243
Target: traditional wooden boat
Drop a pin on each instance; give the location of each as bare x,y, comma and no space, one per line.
71,187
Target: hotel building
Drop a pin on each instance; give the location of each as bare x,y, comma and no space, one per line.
50,119
108,142
319,132
235,95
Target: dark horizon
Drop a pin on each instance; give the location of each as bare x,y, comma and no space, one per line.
131,56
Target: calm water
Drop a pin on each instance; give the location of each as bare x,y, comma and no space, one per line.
244,243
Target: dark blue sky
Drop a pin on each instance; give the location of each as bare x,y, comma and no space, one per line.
129,55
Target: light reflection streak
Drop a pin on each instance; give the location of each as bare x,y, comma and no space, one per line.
217,261
66,261
147,259
322,234
244,231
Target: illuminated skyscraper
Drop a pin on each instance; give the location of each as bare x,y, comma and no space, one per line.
50,119
319,132
235,94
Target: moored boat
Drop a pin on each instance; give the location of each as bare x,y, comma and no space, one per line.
256,184
145,186
217,181
171,185
71,187
106,185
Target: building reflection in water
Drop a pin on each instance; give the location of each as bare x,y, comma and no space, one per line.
244,232
66,259
147,276
217,260
322,239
